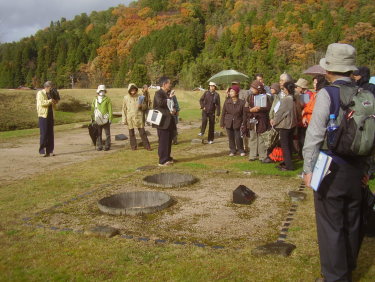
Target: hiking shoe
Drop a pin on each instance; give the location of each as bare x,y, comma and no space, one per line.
210,142
99,148
231,154
200,134
252,160
169,163
106,149
242,154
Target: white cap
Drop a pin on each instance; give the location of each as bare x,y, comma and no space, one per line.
212,84
101,88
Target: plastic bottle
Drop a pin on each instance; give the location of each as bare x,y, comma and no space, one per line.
331,129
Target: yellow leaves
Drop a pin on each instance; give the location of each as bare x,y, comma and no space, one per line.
235,27
145,12
89,28
360,30
211,31
187,10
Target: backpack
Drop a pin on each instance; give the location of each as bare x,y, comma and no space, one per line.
355,112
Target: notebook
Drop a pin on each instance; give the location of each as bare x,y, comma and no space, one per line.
321,169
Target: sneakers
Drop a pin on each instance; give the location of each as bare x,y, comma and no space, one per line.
210,142
231,155
242,154
99,148
200,134
169,163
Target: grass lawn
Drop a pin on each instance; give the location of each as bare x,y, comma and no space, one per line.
29,254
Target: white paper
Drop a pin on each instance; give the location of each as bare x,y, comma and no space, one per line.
277,106
170,105
260,100
321,169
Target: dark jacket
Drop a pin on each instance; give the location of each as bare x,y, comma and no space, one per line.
160,104
364,72
262,116
232,115
210,102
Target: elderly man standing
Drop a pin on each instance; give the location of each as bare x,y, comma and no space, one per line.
338,199
45,105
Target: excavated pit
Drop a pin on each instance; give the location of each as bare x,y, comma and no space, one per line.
169,180
135,203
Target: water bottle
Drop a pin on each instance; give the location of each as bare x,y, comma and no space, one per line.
331,129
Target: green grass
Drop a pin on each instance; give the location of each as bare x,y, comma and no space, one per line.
28,254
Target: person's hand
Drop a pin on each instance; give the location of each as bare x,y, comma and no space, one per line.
272,122
173,113
365,179
307,179
204,109
172,94
304,122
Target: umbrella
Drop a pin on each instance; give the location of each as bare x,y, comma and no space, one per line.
315,70
93,132
227,76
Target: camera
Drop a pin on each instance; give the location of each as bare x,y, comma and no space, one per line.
54,94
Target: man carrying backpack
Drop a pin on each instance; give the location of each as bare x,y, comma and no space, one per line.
338,200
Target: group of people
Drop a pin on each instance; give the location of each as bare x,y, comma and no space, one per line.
298,114
247,115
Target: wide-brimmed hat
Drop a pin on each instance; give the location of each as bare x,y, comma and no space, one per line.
101,88
235,88
303,83
212,84
132,86
339,58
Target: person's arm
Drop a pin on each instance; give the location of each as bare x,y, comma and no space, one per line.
42,101
316,131
93,110
176,105
160,101
222,125
124,111
218,105
110,110
201,100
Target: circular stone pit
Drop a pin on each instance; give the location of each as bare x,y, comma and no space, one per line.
169,180
135,203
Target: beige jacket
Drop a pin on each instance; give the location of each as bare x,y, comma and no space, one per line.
42,103
132,116
286,116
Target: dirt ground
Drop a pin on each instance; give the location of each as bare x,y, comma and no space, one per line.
19,158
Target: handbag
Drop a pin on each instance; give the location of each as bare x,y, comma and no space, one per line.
154,117
100,119
277,154
270,138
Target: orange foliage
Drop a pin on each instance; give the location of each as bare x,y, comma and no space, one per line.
360,30
235,27
89,27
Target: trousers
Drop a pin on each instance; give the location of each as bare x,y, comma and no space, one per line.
235,140
47,142
165,142
210,118
107,130
257,146
142,134
338,218
286,142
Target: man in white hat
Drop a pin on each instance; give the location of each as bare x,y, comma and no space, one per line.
210,104
338,199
